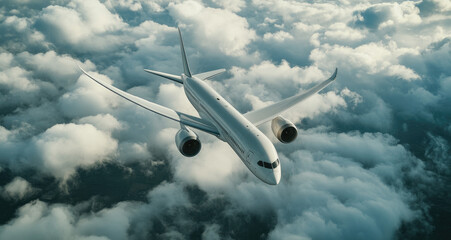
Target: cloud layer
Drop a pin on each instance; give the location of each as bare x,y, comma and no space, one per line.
371,160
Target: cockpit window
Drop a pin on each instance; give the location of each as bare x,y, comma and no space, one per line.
275,163
268,165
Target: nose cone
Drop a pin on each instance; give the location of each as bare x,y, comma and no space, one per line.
277,175
273,179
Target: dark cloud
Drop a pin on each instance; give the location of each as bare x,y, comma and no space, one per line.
429,7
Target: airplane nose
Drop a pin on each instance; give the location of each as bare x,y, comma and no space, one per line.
277,177
273,179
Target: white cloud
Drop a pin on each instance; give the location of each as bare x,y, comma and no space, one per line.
279,36
18,189
5,60
275,77
83,25
62,70
232,5
34,221
224,30
20,24
110,223
88,98
347,170
204,171
336,182
382,15
372,58
17,79
207,172
339,31
266,82
103,122
133,5
133,152
4,133
315,105
309,13
125,220
63,148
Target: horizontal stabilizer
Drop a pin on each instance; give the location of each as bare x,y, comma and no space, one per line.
210,74
166,75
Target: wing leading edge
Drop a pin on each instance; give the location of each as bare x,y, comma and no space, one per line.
183,118
267,113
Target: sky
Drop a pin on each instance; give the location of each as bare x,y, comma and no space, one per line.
371,161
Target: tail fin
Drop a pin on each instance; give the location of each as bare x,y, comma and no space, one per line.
185,61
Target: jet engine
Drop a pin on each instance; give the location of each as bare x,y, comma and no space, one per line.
283,129
187,142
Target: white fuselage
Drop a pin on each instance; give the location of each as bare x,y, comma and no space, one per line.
250,144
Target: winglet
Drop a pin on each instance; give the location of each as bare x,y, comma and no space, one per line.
184,60
84,72
334,75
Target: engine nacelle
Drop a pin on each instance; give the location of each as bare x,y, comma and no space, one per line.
283,129
187,142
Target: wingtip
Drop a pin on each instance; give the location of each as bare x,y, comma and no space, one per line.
180,31
84,72
334,75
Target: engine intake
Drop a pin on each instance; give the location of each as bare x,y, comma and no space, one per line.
187,142
283,129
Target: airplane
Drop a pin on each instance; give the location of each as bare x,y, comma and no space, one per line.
221,119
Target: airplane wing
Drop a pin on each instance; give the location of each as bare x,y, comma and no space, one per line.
267,113
183,118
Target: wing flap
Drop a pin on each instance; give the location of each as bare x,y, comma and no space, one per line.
183,118
267,113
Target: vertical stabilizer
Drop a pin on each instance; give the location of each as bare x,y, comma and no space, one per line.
185,61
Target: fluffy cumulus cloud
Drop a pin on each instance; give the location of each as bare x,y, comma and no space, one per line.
371,160
389,14
18,189
224,30
36,218
83,25
64,147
